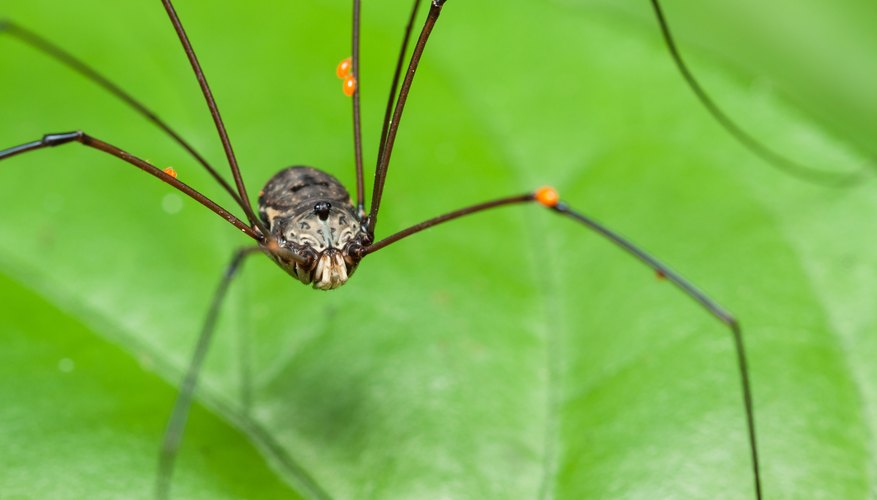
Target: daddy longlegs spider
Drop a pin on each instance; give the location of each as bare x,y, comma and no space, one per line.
396,167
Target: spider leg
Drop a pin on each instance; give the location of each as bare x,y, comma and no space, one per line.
357,129
214,113
701,298
52,140
177,422
396,75
549,199
794,168
392,127
357,123
67,59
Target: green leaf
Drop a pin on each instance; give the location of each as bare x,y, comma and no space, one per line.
508,355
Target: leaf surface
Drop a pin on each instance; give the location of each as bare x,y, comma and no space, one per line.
508,355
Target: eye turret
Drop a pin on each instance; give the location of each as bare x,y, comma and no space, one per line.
322,210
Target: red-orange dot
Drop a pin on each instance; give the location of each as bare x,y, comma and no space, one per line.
171,172
349,85
344,68
547,196
660,274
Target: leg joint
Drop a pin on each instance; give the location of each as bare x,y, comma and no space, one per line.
62,138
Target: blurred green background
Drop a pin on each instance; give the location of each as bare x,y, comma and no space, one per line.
510,355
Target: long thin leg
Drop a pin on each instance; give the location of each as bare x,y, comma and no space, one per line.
456,214
357,122
787,165
381,171
548,198
396,74
62,56
177,421
707,303
52,140
214,112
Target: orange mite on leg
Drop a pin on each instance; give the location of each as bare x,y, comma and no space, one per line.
345,72
349,85
344,68
171,172
547,196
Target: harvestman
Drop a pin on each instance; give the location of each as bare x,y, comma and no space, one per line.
308,225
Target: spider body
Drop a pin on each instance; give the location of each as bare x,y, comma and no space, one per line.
315,234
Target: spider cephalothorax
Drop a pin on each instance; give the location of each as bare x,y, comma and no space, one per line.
314,232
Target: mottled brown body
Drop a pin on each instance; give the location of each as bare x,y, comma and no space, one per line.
309,213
